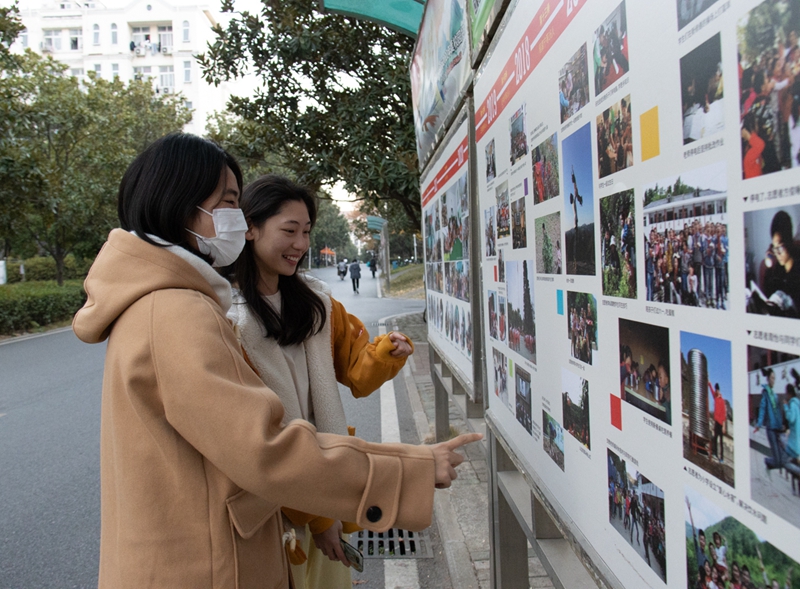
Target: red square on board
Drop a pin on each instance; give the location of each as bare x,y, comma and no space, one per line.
616,412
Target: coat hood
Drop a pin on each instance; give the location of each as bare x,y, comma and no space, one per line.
127,269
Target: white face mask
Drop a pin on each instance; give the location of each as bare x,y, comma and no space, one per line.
230,227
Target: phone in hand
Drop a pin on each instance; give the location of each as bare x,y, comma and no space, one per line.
353,554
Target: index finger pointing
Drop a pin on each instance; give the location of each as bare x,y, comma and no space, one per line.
462,440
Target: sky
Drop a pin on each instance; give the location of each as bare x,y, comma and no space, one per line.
718,356
713,177
704,512
571,383
514,280
577,151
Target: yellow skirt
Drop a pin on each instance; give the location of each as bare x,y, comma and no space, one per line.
320,572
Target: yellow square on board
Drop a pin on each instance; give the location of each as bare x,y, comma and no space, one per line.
648,125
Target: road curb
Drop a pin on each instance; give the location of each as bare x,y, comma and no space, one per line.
29,336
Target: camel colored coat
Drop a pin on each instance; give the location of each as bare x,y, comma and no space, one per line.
195,463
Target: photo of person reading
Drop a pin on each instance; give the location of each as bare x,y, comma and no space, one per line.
644,368
772,274
610,51
702,91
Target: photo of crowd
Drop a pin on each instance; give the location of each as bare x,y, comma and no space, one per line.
500,365
553,439
618,246
519,139
614,142
491,299
722,553
501,265
702,91
636,511
490,236
686,247
769,64
456,279
501,318
548,244
434,278
774,419
579,202
707,404
611,50
575,406
455,221
519,234
546,183
573,84
582,325
503,211
772,261
521,314
491,162
644,368
435,314
522,380
688,10
433,241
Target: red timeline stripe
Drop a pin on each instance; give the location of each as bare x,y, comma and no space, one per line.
453,164
550,21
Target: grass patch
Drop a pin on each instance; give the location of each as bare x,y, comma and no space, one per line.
410,280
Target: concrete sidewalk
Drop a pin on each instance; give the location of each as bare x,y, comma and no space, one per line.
461,512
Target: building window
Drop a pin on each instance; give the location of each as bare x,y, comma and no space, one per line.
23,38
142,72
187,72
166,78
95,34
52,40
186,31
140,35
188,105
75,39
98,69
76,72
115,70
165,37
114,38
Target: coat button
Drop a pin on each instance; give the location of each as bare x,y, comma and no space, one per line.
374,514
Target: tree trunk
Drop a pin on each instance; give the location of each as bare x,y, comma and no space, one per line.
59,258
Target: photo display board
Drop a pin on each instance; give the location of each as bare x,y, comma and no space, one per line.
446,235
640,198
482,15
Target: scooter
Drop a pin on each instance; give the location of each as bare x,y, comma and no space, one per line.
342,273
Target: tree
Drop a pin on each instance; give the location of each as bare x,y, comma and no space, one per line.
331,230
529,326
336,99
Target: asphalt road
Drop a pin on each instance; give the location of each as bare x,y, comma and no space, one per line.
49,446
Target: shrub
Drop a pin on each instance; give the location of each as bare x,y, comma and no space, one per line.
44,268
32,304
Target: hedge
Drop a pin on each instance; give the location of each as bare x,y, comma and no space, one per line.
44,268
33,304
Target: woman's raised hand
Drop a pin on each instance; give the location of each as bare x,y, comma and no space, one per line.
446,458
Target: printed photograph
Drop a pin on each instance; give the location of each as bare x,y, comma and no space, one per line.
501,317
500,365
774,419
685,221
722,552
522,380
490,236
644,368
636,511
501,265
455,220
548,244
610,50
434,280
455,327
688,10
433,241
491,162
491,300
503,211
546,183
521,314
519,234
769,88
772,252
579,202
614,142
553,439
618,245
582,325
456,279
575,406
707,404
702,91
573,84
519,139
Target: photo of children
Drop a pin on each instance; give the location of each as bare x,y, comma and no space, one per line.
546,184
455,220
522,380
644,368
618,245
707,404
573,84
434,280
610,50
688,10
433,241
519,140
582,325
702,91
519,234
774,418
685,222
456,279
575,406
772,261
722,552
500,365
579,202
636,505
769,62
548,244
521,314
503,211
491,163
493,320
501,318
490,236
553,439
614,143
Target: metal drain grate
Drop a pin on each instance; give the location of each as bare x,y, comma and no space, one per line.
393,543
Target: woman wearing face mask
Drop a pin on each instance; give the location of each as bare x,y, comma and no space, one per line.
195,463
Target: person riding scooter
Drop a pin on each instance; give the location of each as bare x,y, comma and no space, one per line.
341,269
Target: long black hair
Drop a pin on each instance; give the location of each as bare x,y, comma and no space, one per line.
302,310
162,188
